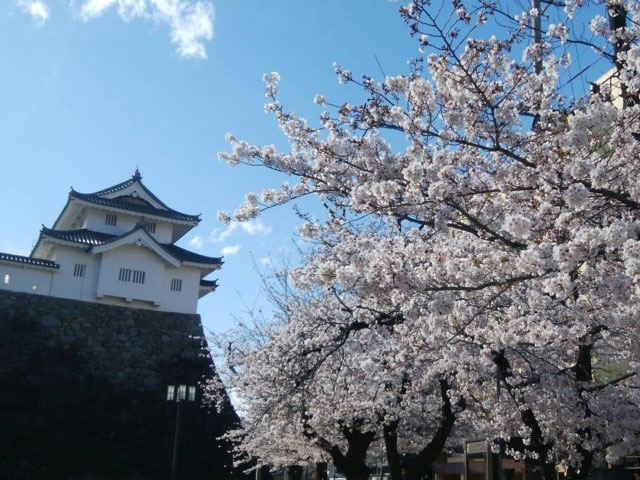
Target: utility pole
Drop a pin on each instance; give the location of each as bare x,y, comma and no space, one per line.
537,31
178,395
176,442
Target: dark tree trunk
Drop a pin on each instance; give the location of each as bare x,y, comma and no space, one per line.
354,463
293,472
320,471
583,374
538,469
390,434
414,467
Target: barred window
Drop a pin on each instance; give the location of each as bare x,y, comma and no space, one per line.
133,276
176,285
151,227
79,269
111,219
7,278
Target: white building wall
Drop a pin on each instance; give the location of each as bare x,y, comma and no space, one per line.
164,232
95,220
24,278
65,284
186,300
134,258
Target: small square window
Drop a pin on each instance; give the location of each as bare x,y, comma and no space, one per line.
151,227
79,269
171,393
34,287
111,219
182,392
7,278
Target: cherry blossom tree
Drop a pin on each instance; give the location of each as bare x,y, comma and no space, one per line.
496,238
327,382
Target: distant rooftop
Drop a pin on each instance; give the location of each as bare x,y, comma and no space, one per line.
37,262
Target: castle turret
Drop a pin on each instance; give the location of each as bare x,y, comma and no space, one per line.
115,246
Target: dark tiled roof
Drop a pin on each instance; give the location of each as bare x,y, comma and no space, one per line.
187,256
84,236
133,207
38,262
209,283
136,177
91,238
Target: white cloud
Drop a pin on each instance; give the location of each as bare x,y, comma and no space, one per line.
218,235
190,22
37,9
196,242
266,261
251,227
256,227
230,250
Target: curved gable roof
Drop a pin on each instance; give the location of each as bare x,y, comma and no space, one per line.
91,239
135,178
134,207
151,205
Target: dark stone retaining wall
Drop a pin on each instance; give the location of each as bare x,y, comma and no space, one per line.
82,393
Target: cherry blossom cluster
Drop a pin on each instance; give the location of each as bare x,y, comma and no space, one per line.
494,243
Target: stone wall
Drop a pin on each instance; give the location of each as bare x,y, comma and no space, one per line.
82,392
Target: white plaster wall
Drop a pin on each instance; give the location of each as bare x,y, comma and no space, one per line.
95,220
22,278
156,292
65,285
135,258
164,232
185,301
102,277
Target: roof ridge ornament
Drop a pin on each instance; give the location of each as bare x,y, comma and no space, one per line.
137,175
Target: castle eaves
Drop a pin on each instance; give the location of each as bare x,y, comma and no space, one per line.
134,207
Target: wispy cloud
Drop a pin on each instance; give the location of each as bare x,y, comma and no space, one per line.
196,242
251,227
219,235
256,227
190,22
230,250
38,10
266,261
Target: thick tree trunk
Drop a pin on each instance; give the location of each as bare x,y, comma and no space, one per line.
320,471
414,467
583,374
537,470
354,463
394,460
293,472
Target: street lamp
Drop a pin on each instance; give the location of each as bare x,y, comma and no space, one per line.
179,394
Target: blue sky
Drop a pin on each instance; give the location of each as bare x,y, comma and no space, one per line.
90,89
85,99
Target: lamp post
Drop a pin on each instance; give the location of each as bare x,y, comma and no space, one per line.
178,394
